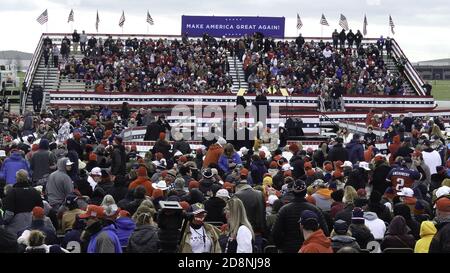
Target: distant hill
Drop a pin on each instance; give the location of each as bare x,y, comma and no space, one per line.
15,55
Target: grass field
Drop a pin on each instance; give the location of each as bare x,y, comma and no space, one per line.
441,90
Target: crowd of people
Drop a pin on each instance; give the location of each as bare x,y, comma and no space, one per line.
70,184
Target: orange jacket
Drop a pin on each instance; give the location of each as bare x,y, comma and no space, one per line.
213,154
142,181
317,243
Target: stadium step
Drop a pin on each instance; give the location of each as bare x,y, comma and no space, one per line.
237,73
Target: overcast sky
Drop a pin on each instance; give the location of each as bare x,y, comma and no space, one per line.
421,26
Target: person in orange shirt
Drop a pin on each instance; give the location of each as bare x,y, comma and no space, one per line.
142,180
315,239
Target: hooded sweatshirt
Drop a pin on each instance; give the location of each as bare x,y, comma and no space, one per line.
323,199
59,184
11,165
42,160
376,225
125,226
427,232
317,243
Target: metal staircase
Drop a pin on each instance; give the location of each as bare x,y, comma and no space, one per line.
237,73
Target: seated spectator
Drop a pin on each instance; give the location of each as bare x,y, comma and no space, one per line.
315,239
35,241
397,235
341,237
427,232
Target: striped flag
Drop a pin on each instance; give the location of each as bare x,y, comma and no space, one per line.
323,20
365,25
150,19
122,19
343,22
391,23
43,18
299,22
97,22
71,19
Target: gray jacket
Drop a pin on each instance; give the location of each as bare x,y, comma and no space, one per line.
59,184
41,163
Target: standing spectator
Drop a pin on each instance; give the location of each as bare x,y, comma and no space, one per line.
427,232
315,239
359,230
125,226
286,235
214,206
229,159
118,158
19,202
240,232
397,235
55,54
428,87
350,38
83,40
441,241
76,40
257,170
355,150
376,226
342,38
46,55
144,239
37,96
11,165
338,152
100,235
335,37
38,223
358,38
200,237
214,152
431,157
299,41
59,183
162,146
254,204
341,237
42,162
142,180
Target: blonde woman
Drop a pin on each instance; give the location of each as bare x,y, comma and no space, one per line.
350,195
240,232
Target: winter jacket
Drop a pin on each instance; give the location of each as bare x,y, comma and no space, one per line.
11,165
182,146
355,151
214,207
441,241
142,181
381,211
379,177
125,226
358,179
105,241
338,152
144,239
397,235
59,185
210,231
50,234
323,199
258,169
427,232
286,232
297,163
345,214
162,147
206,185
376,226
255,206
362,234
224,162
68,219
316,243
212,155
8,241
118,162
41,163
340,241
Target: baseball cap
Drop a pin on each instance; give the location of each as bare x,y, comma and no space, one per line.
93,211
443,204
364,165
38,212
223,193
69,163
308,215
197,208
96,171
407,192
286,167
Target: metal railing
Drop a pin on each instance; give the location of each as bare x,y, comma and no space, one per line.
34,65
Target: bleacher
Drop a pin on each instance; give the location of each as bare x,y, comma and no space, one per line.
52,82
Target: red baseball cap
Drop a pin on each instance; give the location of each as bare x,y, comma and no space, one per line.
93,211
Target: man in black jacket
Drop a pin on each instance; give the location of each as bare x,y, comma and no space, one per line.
286,235
350,38
338,152
370,138
300,41
342,38
358,38
75,40
335,37
119,157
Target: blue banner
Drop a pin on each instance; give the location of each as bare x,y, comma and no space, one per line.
232,26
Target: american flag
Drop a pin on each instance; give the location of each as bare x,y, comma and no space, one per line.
323,20
71,19
122,19
97,22
343,22
43,18
150,19
299,22
391,23
365,25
